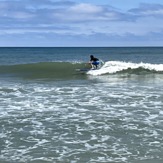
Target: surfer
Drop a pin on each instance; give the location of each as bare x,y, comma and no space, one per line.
94,62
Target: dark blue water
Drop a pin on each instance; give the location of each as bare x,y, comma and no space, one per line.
30,55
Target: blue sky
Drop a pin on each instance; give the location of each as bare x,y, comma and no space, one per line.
81,23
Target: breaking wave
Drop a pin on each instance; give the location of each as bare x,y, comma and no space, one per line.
67,70
112,67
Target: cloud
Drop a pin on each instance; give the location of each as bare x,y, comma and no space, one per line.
85,22
86,8
14,11
67,12
94,39
148,10
40,11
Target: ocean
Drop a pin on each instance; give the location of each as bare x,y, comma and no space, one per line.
51,113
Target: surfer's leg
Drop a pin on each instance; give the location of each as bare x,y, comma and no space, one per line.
96,63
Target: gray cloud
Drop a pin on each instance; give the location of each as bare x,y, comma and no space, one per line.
50,12
59,11
148,10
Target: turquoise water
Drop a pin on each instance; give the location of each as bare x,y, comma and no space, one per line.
49,112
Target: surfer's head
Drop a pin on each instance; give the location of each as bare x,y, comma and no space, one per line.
91,56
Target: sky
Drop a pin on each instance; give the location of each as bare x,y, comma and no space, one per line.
80,23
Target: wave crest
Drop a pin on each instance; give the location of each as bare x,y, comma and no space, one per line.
112,67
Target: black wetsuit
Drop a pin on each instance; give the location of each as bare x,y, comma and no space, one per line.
94,61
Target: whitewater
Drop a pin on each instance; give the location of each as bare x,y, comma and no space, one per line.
117,66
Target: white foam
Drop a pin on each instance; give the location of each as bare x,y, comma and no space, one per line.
117,66
75,121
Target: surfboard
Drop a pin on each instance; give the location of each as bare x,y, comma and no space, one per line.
83,70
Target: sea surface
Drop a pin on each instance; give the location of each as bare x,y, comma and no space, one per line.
51,113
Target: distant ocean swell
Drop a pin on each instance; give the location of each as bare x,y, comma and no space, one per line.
63,70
